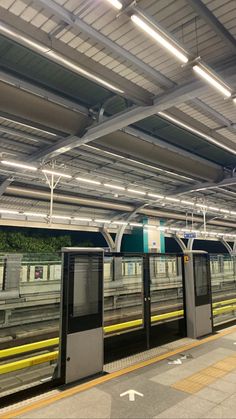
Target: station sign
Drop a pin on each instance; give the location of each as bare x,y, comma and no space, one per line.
190,235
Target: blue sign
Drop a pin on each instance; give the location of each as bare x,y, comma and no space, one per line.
190,235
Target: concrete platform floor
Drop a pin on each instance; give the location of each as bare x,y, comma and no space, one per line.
195,381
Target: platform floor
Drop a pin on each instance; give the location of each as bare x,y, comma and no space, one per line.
197,380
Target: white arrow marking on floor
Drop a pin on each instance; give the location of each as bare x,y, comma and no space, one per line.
131,394
177,361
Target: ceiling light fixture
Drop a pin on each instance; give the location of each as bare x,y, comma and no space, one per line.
93,182
48,52
212,79
19,165
158,36
197,132
29,126
102,221
136,224
187,202
213,208
55,173
136,191
152,195
168,198
109,185
201,206
122,223
74,67
224,210
115,3
83,219
6,211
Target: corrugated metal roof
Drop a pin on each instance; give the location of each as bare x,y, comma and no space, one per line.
181,21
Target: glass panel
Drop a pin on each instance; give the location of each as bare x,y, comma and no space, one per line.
86,285
123,294
166,288
201,276
223,284
29,313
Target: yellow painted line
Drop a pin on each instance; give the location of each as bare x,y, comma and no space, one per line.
121,326
13,366
112,328
29,362
224,309
28,347
93,383
166,316
223,303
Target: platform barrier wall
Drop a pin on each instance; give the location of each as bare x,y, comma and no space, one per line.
30,301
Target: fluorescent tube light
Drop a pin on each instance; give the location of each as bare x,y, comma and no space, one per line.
136,224
74,67
29,126
119,188
197,132
159,38
34,214
102,221
122,223
93,182
82,219
168,198
52,172
117,4
213,208
201,206
6,211
212,80
233,212
224,210
187,202
23,39
20,165
136,191
153,195
46,51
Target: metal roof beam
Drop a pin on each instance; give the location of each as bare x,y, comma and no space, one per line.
75,22
216,115
121,120
214,23
205,186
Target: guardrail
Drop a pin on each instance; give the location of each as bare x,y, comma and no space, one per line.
221,307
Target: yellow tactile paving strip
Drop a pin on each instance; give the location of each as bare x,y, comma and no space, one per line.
93,383
206,376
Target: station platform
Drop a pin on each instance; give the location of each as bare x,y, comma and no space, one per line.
194,380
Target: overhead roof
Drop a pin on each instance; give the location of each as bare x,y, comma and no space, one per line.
82,86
